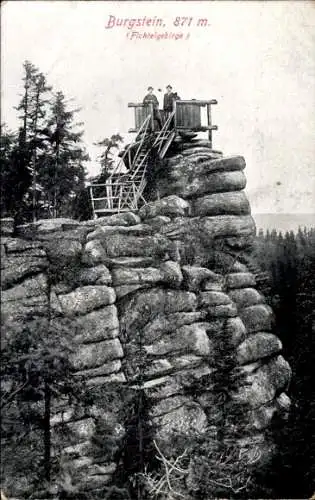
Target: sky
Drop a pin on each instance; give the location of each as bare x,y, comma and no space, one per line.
257,58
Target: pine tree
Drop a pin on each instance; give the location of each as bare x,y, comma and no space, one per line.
7,145
62,171
106,158
36,374
33,108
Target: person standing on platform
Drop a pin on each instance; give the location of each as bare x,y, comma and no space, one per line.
169,98
150,98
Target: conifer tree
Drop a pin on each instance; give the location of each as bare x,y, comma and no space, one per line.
62,164
32,108
11,178
106,158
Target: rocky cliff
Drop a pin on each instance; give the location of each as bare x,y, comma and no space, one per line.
162,304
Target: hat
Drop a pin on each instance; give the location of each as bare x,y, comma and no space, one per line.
169,87
150,88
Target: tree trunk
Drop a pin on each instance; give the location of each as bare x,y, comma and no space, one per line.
35,153
47,432
55,180
34,176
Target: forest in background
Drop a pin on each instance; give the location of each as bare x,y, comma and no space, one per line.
285,272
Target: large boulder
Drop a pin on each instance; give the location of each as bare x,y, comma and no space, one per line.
126,245
94,355
244,297
262,417
206,229
216,182
263,383
162,324
187,418
257,318
235,330
77,234
97,325
125,276
221,311
230,203
170,206
30,287
169,272
19,246
127,261
213,298
7,226
227,225
190,166
188,338
52,225
240,280
195,277
258,346
108,368
93,253
144,306
17,267
63,252
85,299
99,275
102,232
25,309
121,219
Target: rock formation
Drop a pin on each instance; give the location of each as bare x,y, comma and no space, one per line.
161,301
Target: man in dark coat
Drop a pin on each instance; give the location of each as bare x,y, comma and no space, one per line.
169,99
150,98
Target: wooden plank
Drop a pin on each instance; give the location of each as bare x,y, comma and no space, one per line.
135,105
110,210
196,102
140,115
203,128
188,116
167,144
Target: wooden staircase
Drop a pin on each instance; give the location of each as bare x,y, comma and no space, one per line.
123,191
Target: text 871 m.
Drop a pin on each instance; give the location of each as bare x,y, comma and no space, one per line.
183,22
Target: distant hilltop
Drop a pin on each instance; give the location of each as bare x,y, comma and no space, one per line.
284,222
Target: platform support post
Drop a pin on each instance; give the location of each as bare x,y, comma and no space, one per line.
209,124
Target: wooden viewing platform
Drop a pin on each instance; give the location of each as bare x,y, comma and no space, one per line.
187,116
123,191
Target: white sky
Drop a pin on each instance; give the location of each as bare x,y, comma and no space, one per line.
256,58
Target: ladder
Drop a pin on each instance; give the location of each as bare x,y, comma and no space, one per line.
123,191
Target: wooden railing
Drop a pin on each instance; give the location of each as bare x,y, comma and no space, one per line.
142,111
187,116
119,197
